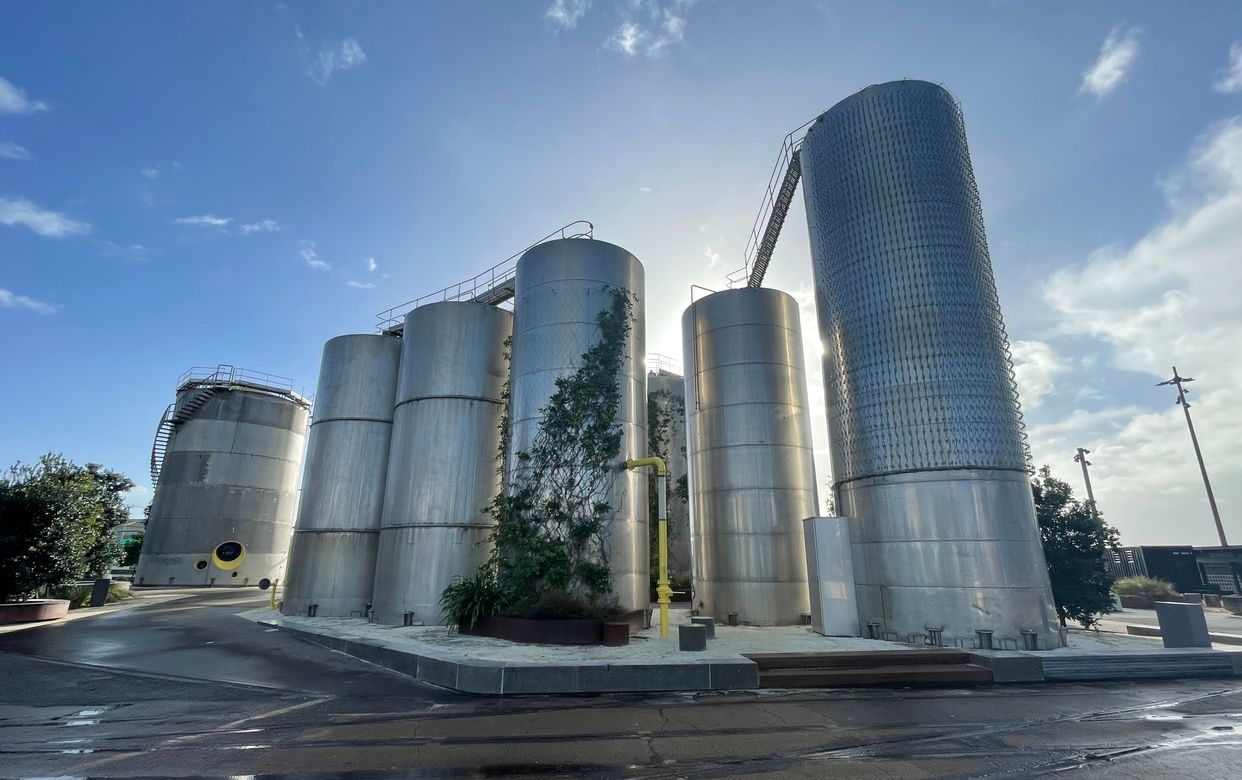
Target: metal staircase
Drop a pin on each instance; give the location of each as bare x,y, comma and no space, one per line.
777,199
174,415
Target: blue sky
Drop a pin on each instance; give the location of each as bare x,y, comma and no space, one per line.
194,183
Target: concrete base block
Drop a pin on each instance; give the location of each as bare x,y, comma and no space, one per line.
708,622
1010,667
692,637
1182,625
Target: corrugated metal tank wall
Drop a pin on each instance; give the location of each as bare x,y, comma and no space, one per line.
332,559
562,286
926,440
752,468
230,473
442,471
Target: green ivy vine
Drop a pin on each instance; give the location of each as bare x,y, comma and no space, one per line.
550,540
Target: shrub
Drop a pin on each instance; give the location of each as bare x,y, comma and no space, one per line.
466,600
1143,586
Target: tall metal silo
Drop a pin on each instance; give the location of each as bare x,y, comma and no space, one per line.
666,397
562,286
752,466
226,460
332,559
926,436
443,466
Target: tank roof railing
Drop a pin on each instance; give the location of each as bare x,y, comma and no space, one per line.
658,362
392,320
231,376
791,143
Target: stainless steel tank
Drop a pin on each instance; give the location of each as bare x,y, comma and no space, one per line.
227,485
332,559
752,467
666,396
926,436
562,286
443,466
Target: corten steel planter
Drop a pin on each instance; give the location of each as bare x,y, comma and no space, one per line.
542,632
1137,602
33,611
1232,603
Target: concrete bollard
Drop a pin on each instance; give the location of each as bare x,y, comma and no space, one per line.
692,637
709,622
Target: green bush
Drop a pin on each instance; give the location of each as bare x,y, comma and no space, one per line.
1143,586
79,596
466,600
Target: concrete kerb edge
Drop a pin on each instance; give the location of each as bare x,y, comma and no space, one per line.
502,678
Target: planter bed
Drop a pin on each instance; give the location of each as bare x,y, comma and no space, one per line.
550,632
33,611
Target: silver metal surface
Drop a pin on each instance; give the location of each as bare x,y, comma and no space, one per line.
917,370
562,286
830,572
752,471
442,470
666,394
230,473
332,559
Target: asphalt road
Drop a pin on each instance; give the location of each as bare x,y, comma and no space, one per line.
186,688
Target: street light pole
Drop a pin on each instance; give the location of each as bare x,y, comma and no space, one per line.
1181,400
1081,458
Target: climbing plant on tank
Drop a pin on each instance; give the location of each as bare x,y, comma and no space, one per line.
551,556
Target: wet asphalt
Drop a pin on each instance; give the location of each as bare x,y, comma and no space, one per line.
186,688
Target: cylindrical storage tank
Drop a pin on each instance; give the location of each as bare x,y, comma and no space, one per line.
443,466
928,455
752,465
223,508
332,559
562,286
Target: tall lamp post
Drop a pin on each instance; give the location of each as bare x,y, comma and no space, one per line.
1178,381
1081,458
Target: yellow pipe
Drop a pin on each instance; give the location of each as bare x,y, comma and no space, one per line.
664,590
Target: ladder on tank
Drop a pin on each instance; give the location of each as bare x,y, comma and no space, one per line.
175,414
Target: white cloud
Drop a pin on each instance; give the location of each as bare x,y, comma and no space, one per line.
1035,367
1231,78
1168,299
13,100
371,264
10,300
262,226
360,285
644,189
311,257
1117,55
151,173
713,258
648,27
565,14
204,220
53,224
12,151
346,55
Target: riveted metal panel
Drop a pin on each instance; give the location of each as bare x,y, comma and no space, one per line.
751,465
921,402
562,286
442,470
332,559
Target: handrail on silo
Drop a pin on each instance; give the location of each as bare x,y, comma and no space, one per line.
476,287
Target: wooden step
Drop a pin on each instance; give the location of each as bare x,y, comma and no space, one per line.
856,660
914,675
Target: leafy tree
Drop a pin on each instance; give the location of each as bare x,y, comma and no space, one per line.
1076,542
56,523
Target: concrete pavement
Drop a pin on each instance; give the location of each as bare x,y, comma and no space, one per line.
186,688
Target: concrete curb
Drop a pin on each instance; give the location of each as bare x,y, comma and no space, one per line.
1217,637
497,678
